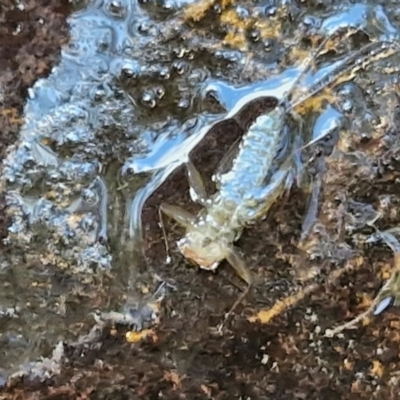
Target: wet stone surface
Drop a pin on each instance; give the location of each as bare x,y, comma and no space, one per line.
100,104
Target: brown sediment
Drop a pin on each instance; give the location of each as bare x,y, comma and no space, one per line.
286,357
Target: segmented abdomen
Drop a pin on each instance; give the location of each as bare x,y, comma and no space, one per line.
256,155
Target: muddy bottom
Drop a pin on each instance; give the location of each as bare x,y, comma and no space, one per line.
187,355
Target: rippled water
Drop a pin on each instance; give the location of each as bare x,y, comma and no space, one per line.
135,91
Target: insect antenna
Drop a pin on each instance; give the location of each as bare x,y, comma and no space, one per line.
355,61
164,232
232,309
306,65
358,60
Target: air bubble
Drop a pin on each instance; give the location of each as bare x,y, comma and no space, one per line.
254,36
183,104
116,9
267,45
164,73
160,92
129,70
148,99
128,169
312,23
271,11
180,52
242,12
144,28
180,67
365,137
347,106
99,94
168,6
346,90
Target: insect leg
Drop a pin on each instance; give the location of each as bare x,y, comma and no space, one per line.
312,208
226,161
178,214
296,172
197,189
267,195
239,265
298,165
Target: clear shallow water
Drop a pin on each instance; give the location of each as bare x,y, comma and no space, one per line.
127,103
